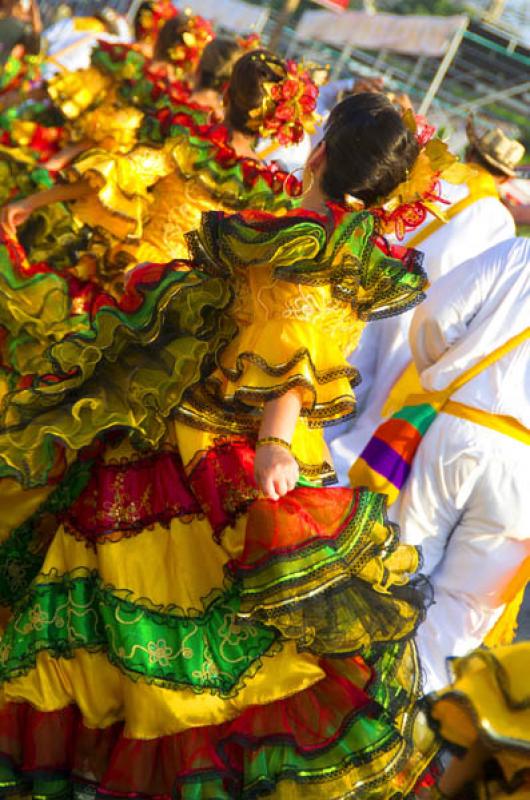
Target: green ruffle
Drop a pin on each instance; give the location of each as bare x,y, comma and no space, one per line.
18,177
225,181
207,650
154,131
124,370
342,253
35,311
17,69
54,235
132,370
333,595
129,64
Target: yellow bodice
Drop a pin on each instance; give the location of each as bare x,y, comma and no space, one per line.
261,297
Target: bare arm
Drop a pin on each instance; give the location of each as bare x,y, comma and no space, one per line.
16,213
67,155
36,20
275,467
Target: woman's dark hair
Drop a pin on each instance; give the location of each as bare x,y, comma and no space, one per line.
369,149
474,155
170,36
245,91
137,24
216,64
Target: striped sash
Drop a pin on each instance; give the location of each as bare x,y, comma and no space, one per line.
386,461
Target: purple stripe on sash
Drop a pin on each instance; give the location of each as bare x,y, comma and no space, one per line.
383,459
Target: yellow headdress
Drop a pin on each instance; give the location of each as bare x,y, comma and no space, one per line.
407,206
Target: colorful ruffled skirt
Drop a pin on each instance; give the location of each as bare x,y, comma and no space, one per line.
489,700
176,634
185,639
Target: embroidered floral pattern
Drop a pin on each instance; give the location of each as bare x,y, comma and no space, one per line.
207,650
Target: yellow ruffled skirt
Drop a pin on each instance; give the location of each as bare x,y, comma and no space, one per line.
185,637
489,700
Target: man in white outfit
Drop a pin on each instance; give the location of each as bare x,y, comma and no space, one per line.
70,41
477,221
467,498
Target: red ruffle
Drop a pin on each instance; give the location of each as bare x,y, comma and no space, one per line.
304,516
123,498
58,743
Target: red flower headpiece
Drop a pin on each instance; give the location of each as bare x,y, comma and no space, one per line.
249,42
288,106
407,206
186,56
154,18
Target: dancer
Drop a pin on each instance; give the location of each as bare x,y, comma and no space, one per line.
475,219
149,20
465,500
195,631
486,712
101,106
196,169
203,171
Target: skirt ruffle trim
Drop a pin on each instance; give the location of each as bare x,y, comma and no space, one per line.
330,740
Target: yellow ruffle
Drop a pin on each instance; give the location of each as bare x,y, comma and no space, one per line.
18,505
122,199
270,358
105,696
176,208
151,563
75,92
112,127
489,698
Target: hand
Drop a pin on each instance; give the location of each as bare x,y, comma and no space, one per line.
276,471
55,163
16,214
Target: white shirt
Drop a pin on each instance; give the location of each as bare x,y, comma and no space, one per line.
290,157
467,499
77,44
384,351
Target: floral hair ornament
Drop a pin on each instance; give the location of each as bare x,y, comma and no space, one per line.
407,206
186,56
152,19
249,42
288,105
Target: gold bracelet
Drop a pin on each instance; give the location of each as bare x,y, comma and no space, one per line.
273,440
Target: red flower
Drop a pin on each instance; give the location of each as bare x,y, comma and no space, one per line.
424,131
290,88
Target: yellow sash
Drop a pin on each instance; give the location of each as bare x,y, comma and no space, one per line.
92,24
481,184
497,422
